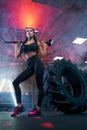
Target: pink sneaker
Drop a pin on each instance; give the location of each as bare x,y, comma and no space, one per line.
35,112
17,111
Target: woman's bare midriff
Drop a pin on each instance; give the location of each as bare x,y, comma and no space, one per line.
30,54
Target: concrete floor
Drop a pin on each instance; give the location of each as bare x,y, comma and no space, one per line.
49,120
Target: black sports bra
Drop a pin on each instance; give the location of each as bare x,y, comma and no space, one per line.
33,47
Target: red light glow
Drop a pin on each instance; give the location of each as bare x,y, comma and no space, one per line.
6,124
28,16
47,125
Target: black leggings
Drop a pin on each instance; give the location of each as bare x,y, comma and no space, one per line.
36,67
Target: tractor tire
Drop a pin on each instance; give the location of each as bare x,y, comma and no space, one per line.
67,86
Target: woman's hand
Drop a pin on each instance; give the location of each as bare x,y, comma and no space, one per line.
18,43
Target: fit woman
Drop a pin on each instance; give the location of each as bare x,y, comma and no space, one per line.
30,50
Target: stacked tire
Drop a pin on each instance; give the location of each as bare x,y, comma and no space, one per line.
67,86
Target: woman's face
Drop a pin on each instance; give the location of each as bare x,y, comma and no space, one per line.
30,32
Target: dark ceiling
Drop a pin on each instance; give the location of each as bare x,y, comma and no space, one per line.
60,3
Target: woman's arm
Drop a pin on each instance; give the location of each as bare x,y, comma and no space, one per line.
42,48
17,50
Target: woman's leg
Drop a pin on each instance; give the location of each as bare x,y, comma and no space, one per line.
22,77
39,71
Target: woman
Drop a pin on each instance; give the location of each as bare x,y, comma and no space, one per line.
29,50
